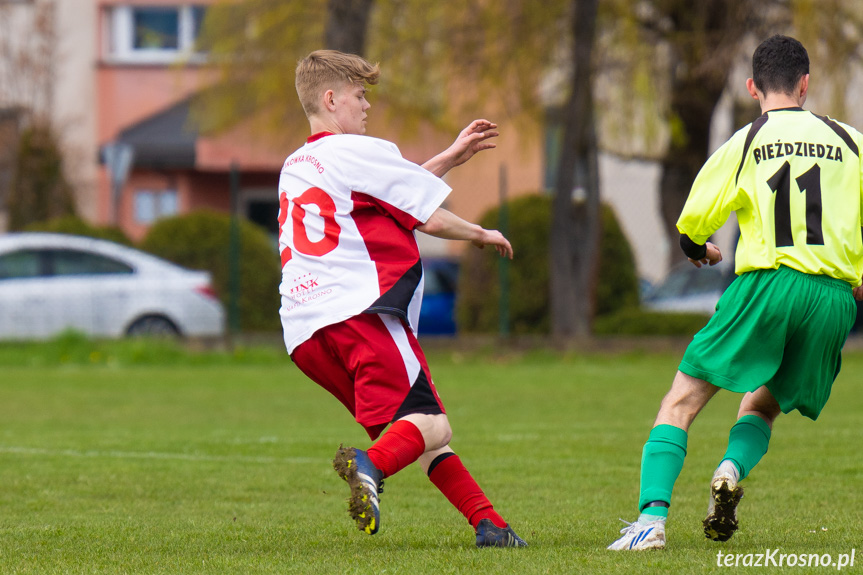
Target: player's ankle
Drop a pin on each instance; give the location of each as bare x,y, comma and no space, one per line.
728,467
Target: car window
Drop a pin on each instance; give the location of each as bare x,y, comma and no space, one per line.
433,283
449,277
21,264
673,286
440,278
688,280
707,279
74,262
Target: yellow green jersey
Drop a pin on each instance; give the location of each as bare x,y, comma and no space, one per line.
795,180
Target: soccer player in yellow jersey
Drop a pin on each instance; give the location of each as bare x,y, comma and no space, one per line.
795,180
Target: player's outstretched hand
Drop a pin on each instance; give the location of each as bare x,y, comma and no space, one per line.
475,138
712,257
496,239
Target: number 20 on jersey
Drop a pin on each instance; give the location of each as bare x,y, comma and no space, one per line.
327,210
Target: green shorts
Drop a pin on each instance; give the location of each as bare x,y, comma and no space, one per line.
781,328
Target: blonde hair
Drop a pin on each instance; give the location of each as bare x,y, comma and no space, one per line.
328,70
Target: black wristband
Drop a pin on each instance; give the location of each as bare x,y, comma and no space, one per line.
692,250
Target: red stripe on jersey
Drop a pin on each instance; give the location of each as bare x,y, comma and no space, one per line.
386,232
404,218
318,136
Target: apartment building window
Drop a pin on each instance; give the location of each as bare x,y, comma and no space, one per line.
153,34
151,205
156,29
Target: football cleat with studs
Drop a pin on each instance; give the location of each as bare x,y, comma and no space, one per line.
490,535
366,482
641,536
721,521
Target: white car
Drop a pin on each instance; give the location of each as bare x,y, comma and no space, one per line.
687,289
55,282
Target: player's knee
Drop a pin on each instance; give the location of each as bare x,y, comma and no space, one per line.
686,398
440,433
446,432
760,403
435,429
678,411
768,415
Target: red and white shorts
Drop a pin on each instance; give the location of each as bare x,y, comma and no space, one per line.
374,365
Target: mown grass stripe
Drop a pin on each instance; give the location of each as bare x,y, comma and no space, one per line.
112,454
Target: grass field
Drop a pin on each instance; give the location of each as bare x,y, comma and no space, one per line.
136,459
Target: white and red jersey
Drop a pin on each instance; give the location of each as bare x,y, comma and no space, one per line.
348,206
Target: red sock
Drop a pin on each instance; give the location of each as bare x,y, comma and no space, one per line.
400,446
452,478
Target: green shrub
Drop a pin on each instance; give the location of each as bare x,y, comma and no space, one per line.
633,321
477,304
39,190
529,231
76,226
201,240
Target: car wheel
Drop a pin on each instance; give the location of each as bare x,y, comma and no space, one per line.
153,326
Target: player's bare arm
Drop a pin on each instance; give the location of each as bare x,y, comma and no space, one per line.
475,138
446,225
858,293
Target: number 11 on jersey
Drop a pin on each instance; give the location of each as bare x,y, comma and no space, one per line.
808,183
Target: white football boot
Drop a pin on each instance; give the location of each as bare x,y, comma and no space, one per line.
641,535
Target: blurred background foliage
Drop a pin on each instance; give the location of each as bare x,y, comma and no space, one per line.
39,190
529,229
438,57
658,70
201,240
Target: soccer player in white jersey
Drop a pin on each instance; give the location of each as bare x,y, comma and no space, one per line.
352,284
795,180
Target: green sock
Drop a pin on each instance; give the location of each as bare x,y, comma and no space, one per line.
747,443
661,462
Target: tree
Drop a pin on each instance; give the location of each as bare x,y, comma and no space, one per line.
37,188
512,46
575,230
694,47
28,55
707,40
254,46
347,24
673,55
39,191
